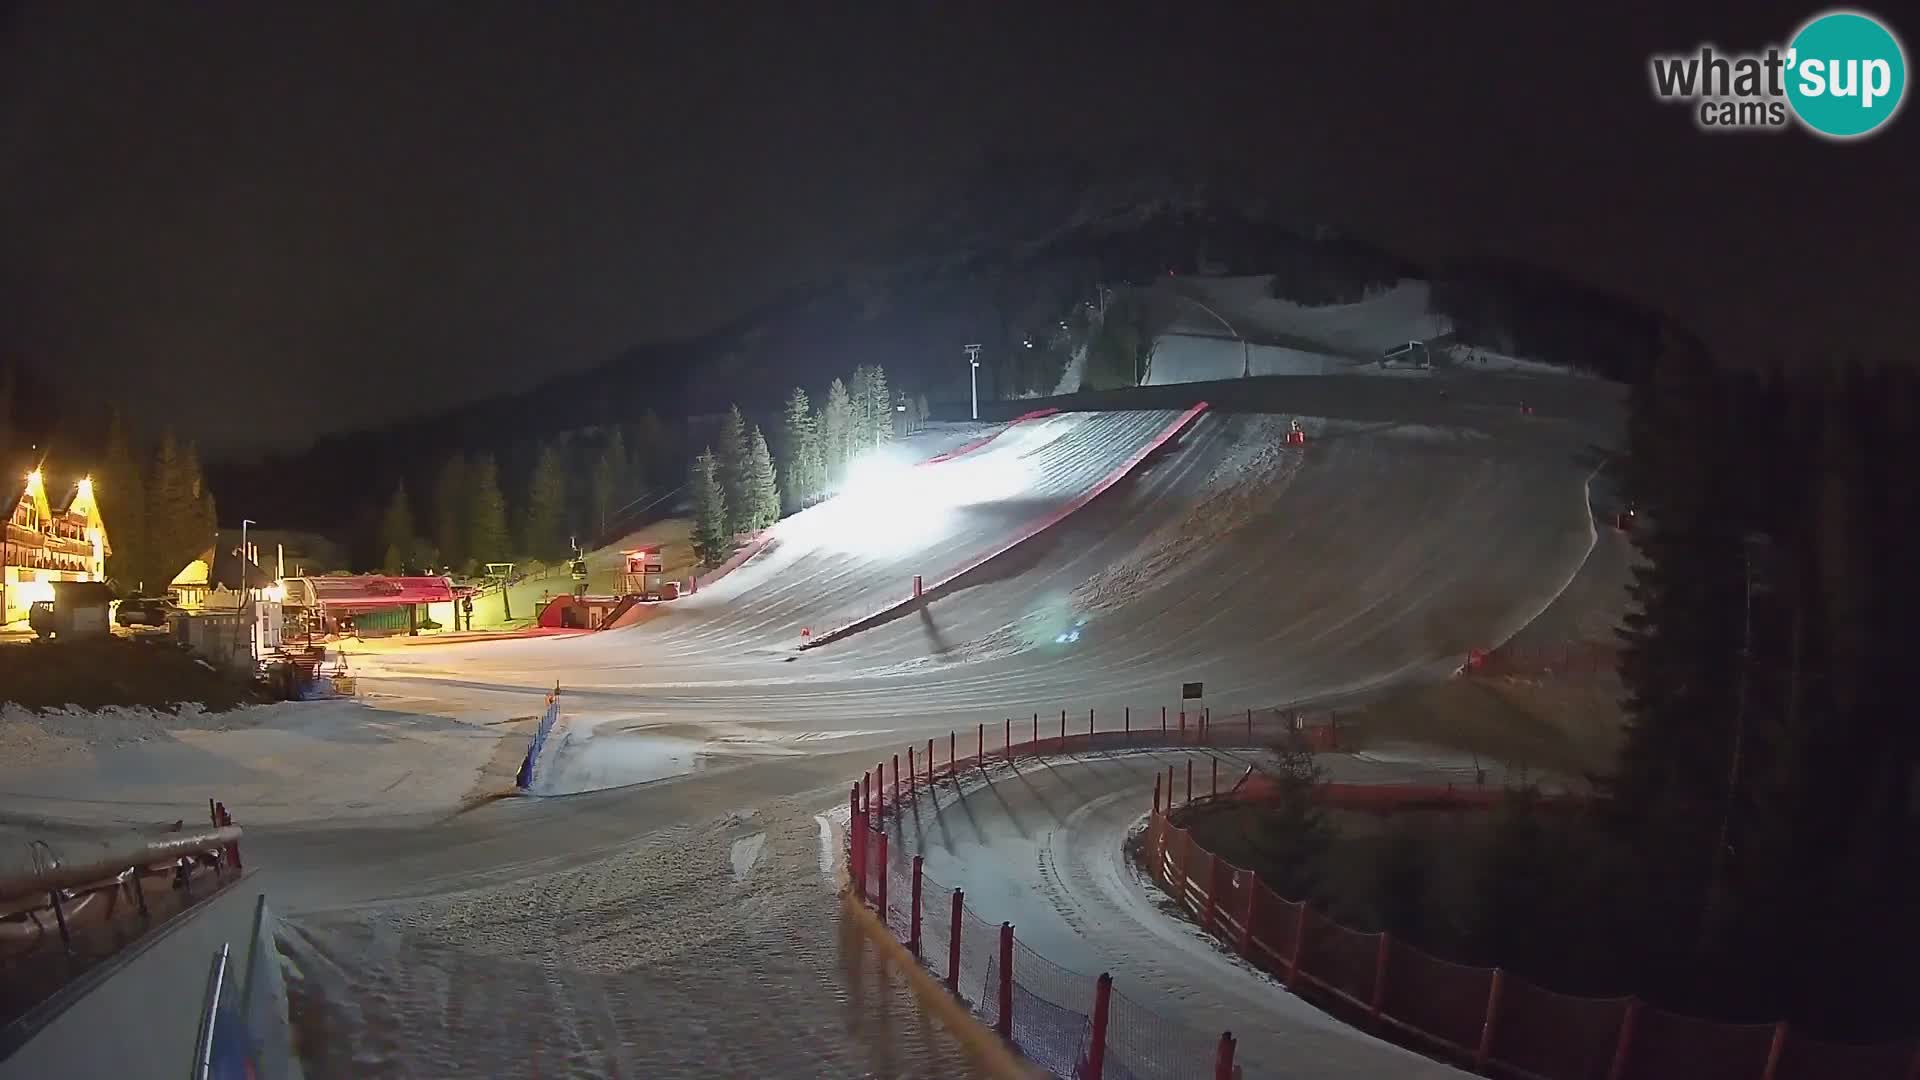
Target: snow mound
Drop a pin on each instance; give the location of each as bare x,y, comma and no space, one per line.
28,737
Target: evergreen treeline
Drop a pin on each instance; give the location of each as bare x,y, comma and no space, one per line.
740,485
534,503
158,511
1757,853
1769,786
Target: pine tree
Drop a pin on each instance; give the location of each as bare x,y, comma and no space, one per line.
761,484
734,470
836,423
485,531
712,543
171,514
201,523
801,465
397,541
450,499
920,407
122,496
610,485
859,412
880,400
544,524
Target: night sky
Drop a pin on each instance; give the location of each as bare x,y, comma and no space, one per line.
265,221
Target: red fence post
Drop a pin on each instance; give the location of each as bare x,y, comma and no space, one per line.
1169,789
1223,1058
913,773
1097,1038
1089,729
1183,725
1623,1048
1216,778
1185,890
880,793
1006,981
1126,724
1211,911
1156,791
929,762
980,746
233,847
1009,738
1246,925
1189,779
1163,721
866,792
881,866
913,942
1484,1052
1206,723
1249,725
1380,975
896,781
857,854
953,941
952,766
1299,941
1063,729
1774,1051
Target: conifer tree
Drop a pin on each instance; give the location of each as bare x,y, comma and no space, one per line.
800,462
121,493
544,524
397,540
712,542
762,485
836,423
486,513
734,469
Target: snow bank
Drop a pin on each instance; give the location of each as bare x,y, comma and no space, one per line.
28,737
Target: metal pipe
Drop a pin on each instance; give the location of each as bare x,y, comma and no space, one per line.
151,853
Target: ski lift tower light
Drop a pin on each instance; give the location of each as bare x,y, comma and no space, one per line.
973,361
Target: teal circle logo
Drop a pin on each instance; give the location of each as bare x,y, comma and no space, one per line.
1846,74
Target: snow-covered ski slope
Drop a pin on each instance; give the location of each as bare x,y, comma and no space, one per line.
1229,327
1410,528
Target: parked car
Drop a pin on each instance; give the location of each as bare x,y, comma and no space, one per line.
145,611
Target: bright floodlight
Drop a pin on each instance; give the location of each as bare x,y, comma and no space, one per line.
888,507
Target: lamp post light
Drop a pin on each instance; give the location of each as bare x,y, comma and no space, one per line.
973,361
253,617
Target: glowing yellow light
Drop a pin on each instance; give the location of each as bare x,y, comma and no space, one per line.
33,480
86,487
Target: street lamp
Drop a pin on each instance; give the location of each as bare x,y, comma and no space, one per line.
973,361
253,617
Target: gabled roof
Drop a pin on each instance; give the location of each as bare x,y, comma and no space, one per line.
373,590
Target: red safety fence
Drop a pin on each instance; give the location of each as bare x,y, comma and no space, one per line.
1061,1020
1070,1023
1581,658
1482,1018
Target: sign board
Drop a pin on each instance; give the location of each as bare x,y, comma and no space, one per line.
1189,691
